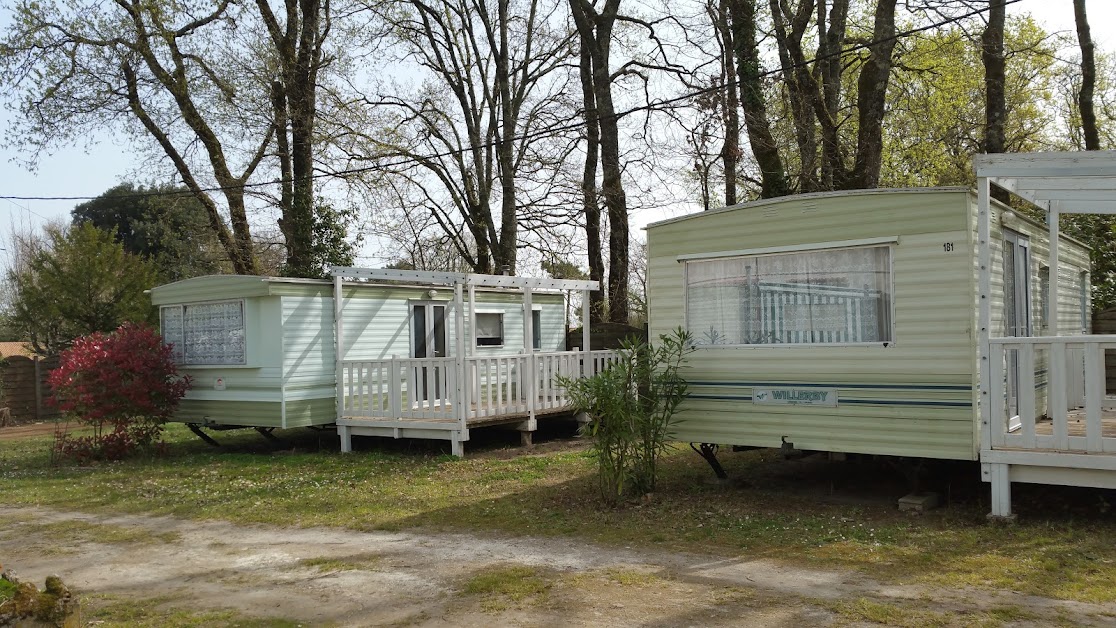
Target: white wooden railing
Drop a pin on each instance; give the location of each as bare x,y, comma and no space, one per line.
473,387
1027,415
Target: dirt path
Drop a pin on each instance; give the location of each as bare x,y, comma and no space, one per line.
26,430
341,577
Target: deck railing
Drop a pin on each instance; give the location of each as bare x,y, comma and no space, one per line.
1036,382
469,388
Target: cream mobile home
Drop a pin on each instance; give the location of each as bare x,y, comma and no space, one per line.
849,321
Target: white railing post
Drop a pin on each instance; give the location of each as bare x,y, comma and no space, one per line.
996,414
339,343
396,391
1056,393
1094,393
1026,393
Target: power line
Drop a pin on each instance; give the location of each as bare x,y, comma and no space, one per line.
649,107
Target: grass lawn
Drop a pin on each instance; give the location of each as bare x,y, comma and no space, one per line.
811,512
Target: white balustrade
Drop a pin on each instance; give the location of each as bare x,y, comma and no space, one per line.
1036,382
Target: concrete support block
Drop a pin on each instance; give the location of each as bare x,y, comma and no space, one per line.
919,502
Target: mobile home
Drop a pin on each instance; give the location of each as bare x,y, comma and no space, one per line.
261,350
849,321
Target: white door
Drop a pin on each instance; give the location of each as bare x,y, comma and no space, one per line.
1017,310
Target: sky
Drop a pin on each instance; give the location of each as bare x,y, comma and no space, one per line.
85,171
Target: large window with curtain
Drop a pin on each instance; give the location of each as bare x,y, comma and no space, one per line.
826,296
205,333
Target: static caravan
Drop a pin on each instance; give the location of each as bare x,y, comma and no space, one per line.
848,321
261,349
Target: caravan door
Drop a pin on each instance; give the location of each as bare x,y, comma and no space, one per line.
428,340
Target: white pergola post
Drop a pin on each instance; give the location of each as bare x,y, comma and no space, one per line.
339,354
586,357
461,389
1052,216
472,319
529,351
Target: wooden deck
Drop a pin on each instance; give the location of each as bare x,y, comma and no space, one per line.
482,421
1075,424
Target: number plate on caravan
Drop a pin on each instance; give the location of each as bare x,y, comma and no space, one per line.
789,396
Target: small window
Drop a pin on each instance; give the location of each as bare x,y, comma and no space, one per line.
205,333
833,296
1044,296
1083,291
490,329
536,329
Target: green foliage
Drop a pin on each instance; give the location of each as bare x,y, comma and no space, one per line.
632,406
76,282
166,225
329,245
1099,233
563,269
935,118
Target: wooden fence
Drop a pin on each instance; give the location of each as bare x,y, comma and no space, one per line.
23,384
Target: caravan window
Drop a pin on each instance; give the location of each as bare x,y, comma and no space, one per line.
837,296
205,333
490,329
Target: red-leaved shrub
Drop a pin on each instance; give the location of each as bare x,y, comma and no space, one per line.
124,385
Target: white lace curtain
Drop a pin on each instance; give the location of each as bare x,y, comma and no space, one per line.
828,296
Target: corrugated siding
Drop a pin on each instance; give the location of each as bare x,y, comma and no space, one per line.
912,398
306,412
249,413
378,326
309,364
260,381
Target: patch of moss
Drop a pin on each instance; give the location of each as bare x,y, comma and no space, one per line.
7,589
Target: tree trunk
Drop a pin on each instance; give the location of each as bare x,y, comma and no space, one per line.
831,38
297,45
772,174
730,150
1088,78
591,208
995,103
596,28
871,99
802,89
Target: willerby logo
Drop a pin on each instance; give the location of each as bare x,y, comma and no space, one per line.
793,396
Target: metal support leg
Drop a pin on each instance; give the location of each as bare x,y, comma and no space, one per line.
1001,493
196,429
709,452
266,433
346,438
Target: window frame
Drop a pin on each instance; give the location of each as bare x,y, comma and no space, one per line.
1084,294
536,328
180,359
503,329
884,243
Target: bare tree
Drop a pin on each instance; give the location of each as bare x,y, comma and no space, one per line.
475,126
594,30
200,84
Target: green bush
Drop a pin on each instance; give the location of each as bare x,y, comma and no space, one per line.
632,406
